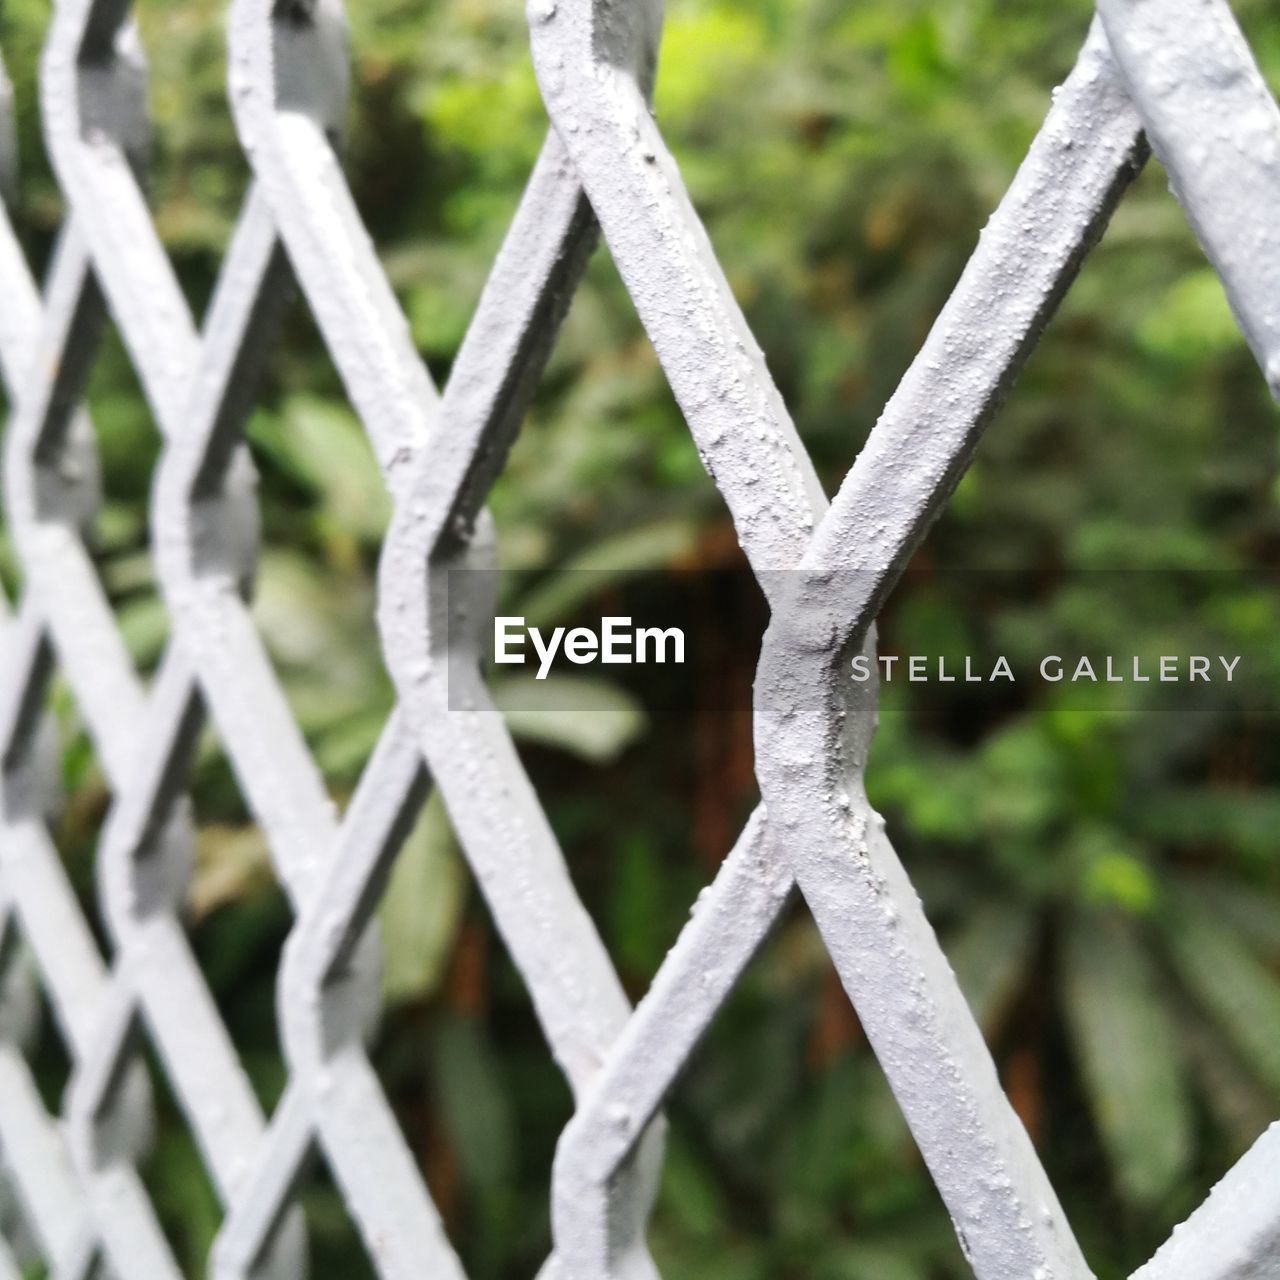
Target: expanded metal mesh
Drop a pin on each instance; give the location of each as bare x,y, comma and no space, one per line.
1176,72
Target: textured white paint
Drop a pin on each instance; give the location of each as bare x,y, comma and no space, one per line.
1178,67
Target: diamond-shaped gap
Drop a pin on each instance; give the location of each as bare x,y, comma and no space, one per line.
492,1076
571,482
238,917
335,1248
325,509
783,1076
479,1099
198,177
174,1174
318,504
786,1148
604,508
50,1058
35,206
442,137
30,1029
129,447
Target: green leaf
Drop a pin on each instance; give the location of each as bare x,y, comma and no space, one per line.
690,1195
421,908
638,550
690,84
144,625
1243,820
322,445
1240,1106
593,719
1253,913
1239,992
1127,1049
343,746
475,1102
231,863
315,627
990,955
1113,872
637,938
1192,320
874,1262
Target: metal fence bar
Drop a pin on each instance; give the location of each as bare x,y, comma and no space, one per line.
1178,70
50,492
469,755
36,1162
1066,191
91,86
1216,128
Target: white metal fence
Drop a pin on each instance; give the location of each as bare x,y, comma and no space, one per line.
1176,72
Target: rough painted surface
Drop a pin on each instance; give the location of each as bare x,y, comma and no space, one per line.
1216,128
1177,68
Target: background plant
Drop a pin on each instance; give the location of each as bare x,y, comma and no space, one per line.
1105,884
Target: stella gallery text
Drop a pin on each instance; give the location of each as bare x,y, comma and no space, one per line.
1165,669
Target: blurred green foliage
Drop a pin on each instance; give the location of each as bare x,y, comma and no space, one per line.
1106,885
